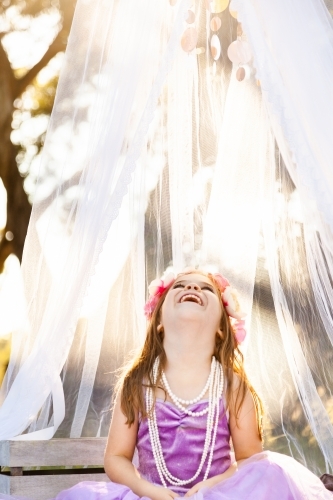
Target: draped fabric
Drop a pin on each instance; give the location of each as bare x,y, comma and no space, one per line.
163,158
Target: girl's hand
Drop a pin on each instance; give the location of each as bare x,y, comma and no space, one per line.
159,493
209,483
203,484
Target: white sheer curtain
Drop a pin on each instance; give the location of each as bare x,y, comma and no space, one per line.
121,61
293,65
293,46
163,158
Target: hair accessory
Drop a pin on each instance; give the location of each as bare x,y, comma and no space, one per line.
232,306
156,289
239,329
231,303
229,298
221,281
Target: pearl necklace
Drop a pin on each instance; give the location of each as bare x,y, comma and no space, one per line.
179,402
215,392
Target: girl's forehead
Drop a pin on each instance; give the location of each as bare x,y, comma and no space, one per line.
193,277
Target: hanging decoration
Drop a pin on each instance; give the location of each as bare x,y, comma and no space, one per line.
216,6
240,54
190,17
189,39
215,23
215,47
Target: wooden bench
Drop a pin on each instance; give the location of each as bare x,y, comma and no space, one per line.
39,470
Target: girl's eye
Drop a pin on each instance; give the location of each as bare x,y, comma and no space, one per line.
178,285
209,288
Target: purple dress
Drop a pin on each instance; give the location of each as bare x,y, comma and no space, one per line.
264,476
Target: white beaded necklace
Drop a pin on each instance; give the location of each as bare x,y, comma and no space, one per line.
215,389
179,402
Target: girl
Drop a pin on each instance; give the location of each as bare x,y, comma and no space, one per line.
182,402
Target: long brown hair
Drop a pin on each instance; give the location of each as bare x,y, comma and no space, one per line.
226,351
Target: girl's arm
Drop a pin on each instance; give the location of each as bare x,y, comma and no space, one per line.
244,434
244,428
119,454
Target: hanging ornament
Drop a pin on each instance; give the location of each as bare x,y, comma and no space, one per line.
239,52
215,23
200,50
240,74
243,72
215,47
216,6
232,10
190,17
189,39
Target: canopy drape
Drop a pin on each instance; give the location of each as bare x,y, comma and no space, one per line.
168,154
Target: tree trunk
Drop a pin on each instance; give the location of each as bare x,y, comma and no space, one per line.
17,200
18,206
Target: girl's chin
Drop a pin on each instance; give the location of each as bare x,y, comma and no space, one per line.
191,311
187,317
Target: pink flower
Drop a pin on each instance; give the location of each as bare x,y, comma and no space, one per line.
231,303
168,280
240,332
221,281
150,305
156,289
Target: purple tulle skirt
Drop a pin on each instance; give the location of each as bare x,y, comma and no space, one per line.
264,476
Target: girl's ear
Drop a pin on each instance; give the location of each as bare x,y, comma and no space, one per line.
160,328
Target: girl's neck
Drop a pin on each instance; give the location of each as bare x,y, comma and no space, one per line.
188,350
183,360
186,372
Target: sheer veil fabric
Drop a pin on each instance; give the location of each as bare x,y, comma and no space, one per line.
163,159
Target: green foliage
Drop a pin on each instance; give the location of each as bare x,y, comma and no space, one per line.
29,7
30,122
43,96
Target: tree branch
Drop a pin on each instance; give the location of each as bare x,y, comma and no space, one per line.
5,67
58,45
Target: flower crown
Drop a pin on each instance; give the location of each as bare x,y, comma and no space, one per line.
228,294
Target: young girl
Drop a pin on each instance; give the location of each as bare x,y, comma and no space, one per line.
182,402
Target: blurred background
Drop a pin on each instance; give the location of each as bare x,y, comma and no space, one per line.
33,37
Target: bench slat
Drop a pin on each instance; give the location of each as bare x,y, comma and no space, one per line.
43,487
55,452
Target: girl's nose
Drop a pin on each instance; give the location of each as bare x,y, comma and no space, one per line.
193,286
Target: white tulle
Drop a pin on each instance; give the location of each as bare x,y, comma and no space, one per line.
291,67
162,158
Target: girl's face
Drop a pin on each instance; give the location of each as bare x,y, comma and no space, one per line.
193,298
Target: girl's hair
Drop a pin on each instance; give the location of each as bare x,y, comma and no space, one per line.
226,351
